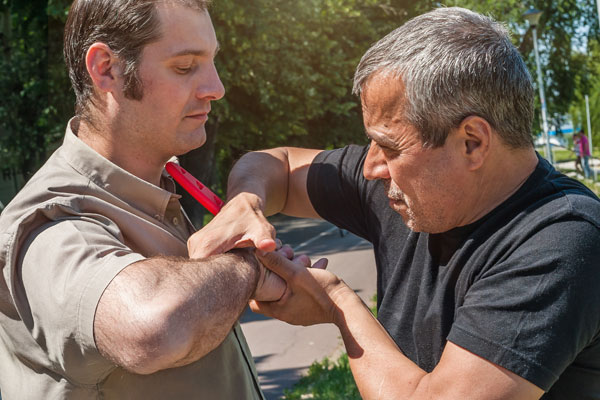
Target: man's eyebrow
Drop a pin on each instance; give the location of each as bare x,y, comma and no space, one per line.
195,52
381,139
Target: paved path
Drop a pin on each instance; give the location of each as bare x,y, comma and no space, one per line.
283,352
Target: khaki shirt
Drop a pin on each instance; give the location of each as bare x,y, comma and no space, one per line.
76,224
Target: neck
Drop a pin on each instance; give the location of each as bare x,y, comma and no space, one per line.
502,176
113,144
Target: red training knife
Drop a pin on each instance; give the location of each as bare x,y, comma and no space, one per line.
193,186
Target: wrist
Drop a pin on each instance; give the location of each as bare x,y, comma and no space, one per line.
344,300
251,197
253,265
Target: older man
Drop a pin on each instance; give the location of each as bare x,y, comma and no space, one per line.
487,258
100,297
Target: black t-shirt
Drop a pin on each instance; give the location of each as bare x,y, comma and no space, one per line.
519,287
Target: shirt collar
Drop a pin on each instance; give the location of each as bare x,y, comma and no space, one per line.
136,192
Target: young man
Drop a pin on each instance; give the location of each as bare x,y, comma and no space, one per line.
100,296
487,258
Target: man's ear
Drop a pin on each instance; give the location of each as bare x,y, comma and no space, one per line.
476,136
103,67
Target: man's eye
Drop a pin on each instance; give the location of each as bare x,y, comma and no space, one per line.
183,70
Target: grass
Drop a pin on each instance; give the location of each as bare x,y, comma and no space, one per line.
326,380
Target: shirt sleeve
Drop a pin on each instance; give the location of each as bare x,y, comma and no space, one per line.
536,311
64,269
337,189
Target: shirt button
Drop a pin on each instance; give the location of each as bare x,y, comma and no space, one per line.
175,221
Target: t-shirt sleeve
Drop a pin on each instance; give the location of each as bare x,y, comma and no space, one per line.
536,310
337,189
65,267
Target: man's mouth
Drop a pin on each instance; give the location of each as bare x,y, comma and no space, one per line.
201,116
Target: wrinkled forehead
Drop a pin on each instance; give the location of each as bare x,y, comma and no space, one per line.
382,97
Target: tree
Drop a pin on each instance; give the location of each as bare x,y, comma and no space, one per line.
24,107
287,67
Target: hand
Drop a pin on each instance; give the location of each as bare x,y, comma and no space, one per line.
270,287
240,223
310,294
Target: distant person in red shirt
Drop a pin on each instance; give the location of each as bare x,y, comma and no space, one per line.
577,151
584,150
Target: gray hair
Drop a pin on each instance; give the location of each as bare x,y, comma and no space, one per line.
455,63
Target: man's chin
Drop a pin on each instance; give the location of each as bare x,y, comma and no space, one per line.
192,141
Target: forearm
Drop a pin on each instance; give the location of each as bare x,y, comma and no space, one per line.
264,174
277,177
162,312
380,369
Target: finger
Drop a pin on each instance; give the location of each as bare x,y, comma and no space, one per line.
265,244
287,251
278,244
253,306
303,260
260,307
321,264
278,263
243,243
263,237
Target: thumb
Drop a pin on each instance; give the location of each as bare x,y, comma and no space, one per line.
262,237
266,244
277,263
321,264
259,307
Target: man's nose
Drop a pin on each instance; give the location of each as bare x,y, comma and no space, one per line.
210,87
375,166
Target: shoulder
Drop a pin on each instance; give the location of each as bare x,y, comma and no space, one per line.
348,156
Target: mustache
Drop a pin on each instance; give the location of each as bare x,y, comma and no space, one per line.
392,192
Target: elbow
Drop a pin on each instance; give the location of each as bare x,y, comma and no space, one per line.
156,345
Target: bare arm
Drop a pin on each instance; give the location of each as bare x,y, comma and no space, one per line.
277,177
261,183
380,369
167,312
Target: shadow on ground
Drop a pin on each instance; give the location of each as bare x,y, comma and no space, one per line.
298,231
271,382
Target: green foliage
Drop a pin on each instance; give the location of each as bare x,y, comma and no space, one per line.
287,67
24,108
326,380
31,103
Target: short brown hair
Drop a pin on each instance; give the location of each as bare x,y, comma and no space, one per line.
126,26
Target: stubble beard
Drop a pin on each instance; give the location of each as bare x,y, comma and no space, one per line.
395,194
